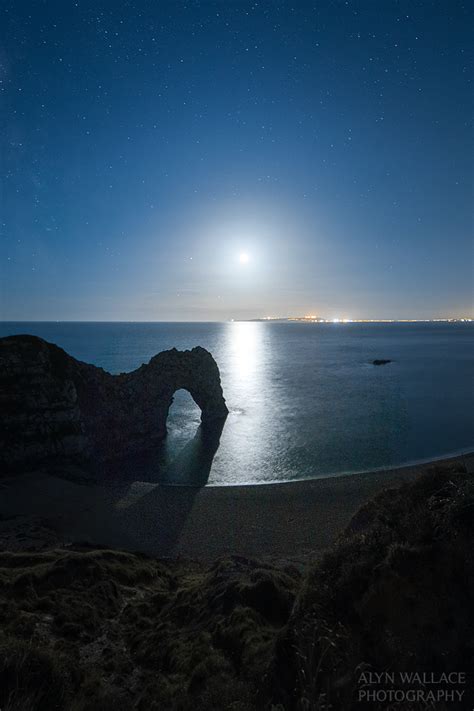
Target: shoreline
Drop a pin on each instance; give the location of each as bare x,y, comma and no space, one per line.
455,456
289,522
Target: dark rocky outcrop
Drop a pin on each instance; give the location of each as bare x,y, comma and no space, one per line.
394,593
381,361
56,408
101,629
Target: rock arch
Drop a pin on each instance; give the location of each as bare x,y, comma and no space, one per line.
151,388
54,407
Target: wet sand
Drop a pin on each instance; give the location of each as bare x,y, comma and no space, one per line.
292,521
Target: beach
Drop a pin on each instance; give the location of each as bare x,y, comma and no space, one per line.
291,522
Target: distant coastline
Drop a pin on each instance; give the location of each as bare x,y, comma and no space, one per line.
317,319
264,319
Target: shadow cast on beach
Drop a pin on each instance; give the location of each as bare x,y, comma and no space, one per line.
155,519
192,465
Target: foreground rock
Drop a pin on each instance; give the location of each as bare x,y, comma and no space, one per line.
56,408
381,361
394,594
102,629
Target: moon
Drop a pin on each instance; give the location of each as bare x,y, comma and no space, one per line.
244,258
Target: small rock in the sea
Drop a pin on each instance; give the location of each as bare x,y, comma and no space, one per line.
380,361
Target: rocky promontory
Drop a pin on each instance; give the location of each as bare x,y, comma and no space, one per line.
54,408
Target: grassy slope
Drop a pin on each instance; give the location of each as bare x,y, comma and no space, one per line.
395,593
133,631
101,629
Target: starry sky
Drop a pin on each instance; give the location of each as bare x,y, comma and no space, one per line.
146,146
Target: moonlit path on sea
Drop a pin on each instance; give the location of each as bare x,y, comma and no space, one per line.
305,400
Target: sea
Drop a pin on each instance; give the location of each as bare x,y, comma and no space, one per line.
305,400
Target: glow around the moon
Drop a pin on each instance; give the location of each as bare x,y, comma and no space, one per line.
244,258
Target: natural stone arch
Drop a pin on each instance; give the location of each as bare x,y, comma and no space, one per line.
151,388
54,407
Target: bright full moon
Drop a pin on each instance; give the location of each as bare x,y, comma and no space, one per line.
244,258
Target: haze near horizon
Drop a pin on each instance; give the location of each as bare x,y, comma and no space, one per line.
183,161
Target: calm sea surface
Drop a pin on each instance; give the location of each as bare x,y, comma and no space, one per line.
304,399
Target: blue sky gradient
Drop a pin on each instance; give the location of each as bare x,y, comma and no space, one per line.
146,145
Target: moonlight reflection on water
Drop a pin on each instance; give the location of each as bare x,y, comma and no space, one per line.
305,400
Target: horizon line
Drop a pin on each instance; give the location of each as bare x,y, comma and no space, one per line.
287,319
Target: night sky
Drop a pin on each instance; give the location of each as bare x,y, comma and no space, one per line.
146,146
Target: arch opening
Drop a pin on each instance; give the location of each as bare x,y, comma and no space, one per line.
190,443
184,416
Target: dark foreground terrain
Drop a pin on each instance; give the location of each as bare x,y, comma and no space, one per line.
88,628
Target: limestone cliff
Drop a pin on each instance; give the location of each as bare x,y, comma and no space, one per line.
56,408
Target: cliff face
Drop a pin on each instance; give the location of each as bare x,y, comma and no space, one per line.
56,408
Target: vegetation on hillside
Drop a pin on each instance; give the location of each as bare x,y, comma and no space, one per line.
394,594
101,629
85,629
